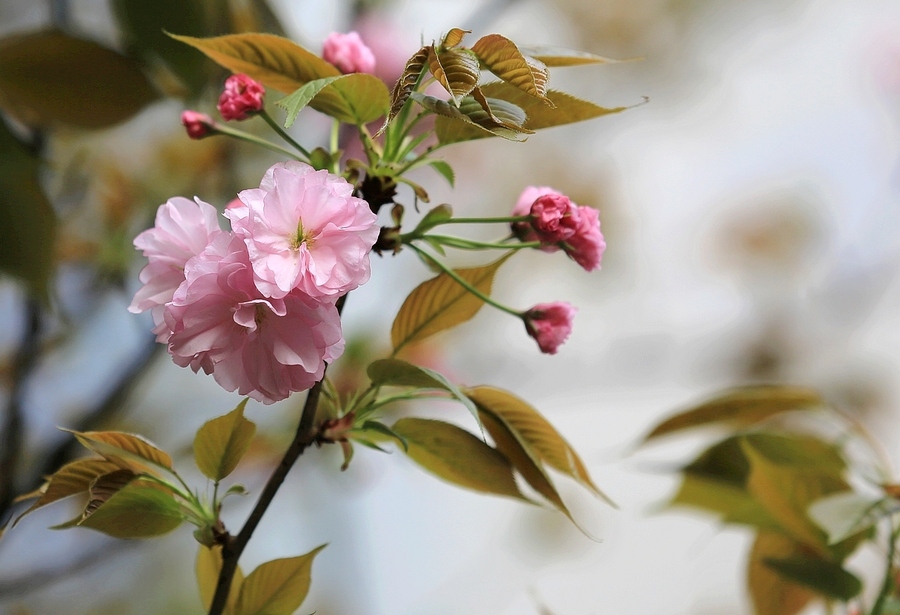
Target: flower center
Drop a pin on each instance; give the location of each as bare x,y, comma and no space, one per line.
299,238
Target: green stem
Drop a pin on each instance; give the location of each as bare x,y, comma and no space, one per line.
281,133
249,138
368,145
504,219
468,244
384,401
333,145
887,585
456,278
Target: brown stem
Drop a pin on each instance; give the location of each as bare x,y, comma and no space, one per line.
233,546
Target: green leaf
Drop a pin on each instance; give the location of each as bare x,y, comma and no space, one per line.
71,479
444,169
278,587
822,576
772,594
413,70
502,57
381,429
536,431
457,456
394,372
28,235
104,487
435,217
294,103
798,451
356,98
560,56
208,566
732,503
740,407
456,69
473,116
128,451
139,510
143,26
222,442
48,77
441,303
845,514
566,109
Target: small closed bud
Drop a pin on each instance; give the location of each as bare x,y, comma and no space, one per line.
241,98
550,324
198,125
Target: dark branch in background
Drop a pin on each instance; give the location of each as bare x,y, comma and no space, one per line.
233,546
11,449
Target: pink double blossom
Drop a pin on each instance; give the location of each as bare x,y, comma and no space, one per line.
241,97
550,324
560,224
305,230
348,53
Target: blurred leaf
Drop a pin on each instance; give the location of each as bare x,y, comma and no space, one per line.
732,503
454,37
798,451
144,25
772,594
50,77
566,109
28,236
222,442
455,69
845,514
524,459
356,98
413,70
457,456
139,510
209,564
741,407
559,56
536,431
823,577
72,478
278,587
104,487
471,116
444,169
502,57
441,303
128,451
436,216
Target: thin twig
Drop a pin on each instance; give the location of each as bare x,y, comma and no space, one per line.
233,546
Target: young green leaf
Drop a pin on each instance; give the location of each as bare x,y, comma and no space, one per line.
560,56
356,98
394,372
444,169
740,407
128,451
456,69
278,587
368,428
732,503
457,456
138,510
772,594
844,514
441,303
824,577
208,566
436,216
104,487
502,57
50,77
222,442
536,431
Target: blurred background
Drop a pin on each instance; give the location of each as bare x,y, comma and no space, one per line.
753,229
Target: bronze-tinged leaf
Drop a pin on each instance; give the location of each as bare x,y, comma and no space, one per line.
772,594
276,62
48,77
139,510
278,587
208,566
441,303
128,451
222,442
73,478
496,112
741,407
534,429
456,69
104,487
454,37
560,56
28,233
524,459
457,456
405,85
471,116
502,57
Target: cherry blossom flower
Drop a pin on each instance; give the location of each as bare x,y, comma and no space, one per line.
198,124
348,53
241,98
550,324
182,230
258,346
304,230
587,245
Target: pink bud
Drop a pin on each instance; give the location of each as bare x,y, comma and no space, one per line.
554,218
550,324
198,124
348,53
241,98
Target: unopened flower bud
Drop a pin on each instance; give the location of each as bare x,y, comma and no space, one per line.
198,124
241,98
348,53
550,324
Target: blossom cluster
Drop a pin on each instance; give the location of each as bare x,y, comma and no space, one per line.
255,306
